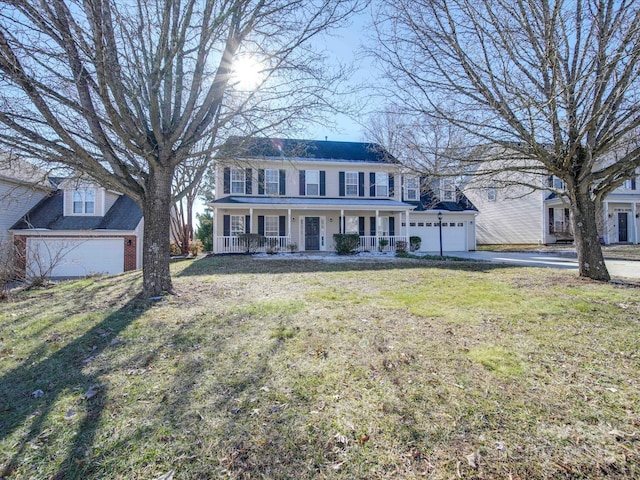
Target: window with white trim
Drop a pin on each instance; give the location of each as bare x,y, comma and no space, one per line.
383,226
312,182
382,184
447,190
271,226
557,183
352,225
411,188
351,184
237,225
271,181
492,194
84,201
238,180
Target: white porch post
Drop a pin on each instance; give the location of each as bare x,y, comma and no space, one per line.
606,223
341,219
214,232
406,230
250,219
289,226
634,222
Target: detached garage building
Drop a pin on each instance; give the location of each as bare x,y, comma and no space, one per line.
81,229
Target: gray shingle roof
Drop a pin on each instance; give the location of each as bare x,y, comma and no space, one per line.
236,147
430,201
48,214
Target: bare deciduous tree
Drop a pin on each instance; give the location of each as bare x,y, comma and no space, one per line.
128,91
550,83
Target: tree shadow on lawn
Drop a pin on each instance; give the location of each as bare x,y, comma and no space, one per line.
233,264
29,392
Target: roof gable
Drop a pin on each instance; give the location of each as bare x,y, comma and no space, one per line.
48,215
237,147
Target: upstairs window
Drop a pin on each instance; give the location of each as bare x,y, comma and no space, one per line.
238,179
447,190
492,194
630,184
557,183
351,184
312,182
84,201
271,181
382,184
411,188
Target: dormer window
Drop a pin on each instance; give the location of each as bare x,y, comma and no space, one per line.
447,190
84,201
411,188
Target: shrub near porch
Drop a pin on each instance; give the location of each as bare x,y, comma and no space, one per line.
306,369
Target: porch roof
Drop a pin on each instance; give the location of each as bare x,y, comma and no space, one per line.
315,203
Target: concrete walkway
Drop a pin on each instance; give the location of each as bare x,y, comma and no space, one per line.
566,260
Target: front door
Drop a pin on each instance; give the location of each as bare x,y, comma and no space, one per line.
622,227
312,233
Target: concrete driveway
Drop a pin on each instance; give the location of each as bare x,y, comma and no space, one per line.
568,260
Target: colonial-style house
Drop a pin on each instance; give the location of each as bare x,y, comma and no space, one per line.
296,194
81,228
519,215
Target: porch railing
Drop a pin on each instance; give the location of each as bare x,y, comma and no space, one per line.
372,243
255,244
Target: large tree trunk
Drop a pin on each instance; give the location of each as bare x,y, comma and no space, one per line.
157,218
590,259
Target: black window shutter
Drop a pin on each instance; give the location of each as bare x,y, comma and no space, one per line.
303,189
283,182
341,225
341,182
550,181
567,216
361,184
247,224
226,225
282,228
227,180
391,185
261,225
261,181
633,184
373,226
551,220
248,181
392,226
323,183
372,184
361,226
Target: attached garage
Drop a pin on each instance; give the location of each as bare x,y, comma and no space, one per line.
69,257
454,235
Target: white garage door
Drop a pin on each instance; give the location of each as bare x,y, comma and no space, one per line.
454,236
75,258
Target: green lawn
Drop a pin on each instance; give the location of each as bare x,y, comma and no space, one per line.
307,369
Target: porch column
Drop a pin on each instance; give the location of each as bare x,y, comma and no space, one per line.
634,222
250,219
289,224
406,230
214,233
605,227
341,219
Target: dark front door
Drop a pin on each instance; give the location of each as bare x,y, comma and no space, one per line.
622,227
312,233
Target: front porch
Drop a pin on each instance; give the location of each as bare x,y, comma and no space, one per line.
252,243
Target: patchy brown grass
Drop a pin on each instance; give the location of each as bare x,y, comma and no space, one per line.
308,369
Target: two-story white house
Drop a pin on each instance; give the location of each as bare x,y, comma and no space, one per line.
296,194
518,215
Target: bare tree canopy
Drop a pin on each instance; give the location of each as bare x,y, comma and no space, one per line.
554,83
127,90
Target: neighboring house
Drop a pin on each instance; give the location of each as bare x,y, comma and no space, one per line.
518,215
22,185
80,229
297,194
